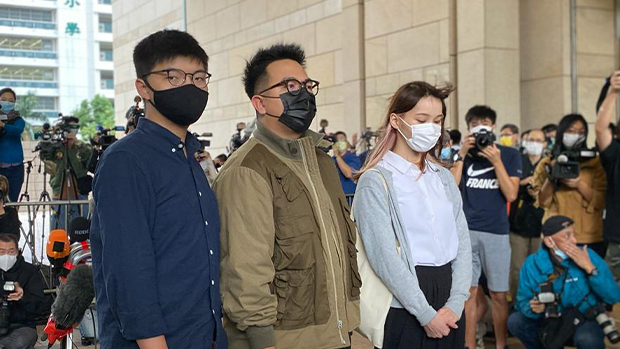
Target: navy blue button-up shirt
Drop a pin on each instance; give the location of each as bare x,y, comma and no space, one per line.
155,243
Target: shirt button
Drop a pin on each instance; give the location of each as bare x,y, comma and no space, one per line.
211,252
294,150
180,146
212,283
206,223
174,150
200,193
213,312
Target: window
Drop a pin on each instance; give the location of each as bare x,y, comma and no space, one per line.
27,44
26,73
26,14
105,2
105,24
44,103
105,53
107,81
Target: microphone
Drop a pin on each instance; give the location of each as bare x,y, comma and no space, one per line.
79,230
74,298
58,247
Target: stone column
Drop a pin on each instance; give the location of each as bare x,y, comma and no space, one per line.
353,66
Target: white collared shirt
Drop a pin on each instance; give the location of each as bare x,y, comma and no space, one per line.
428,216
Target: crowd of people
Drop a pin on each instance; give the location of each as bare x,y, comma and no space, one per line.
281,242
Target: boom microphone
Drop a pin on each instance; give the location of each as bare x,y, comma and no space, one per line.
74,297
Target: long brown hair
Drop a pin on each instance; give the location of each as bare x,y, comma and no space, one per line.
4,188
405,99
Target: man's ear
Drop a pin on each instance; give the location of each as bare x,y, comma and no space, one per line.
548,242
143,90
257,103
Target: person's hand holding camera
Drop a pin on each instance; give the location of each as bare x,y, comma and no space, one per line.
572,182
18,294
468,143
536,306
492,153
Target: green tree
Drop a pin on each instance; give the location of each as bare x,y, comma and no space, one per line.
26,104
93,113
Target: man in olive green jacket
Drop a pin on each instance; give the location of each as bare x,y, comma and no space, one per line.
289,274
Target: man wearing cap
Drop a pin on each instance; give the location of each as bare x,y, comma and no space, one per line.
578,275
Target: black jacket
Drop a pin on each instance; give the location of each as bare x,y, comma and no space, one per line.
33,305
9,222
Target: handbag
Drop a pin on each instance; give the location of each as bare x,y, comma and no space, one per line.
375,298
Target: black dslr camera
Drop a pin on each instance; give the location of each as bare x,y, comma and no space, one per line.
599,313
5,311
484,139
550,299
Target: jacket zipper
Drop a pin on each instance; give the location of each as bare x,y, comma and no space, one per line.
331,261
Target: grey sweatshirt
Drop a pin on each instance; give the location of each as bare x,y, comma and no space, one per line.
379,225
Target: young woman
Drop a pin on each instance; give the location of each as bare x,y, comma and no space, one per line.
582,198
430,275
11,151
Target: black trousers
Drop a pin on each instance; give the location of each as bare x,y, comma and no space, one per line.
404,331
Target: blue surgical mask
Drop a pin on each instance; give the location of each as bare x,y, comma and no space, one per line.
445,153
563,256
7,106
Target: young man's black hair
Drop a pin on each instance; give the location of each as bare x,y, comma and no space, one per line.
549,128
455,136
166,45
512,127
255,73
479,112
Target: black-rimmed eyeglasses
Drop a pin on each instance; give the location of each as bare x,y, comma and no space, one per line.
176,77
293,86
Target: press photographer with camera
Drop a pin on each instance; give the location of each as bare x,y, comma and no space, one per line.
572,182
155,230
9,219
488,175
347,162
609,148
560,283
11,150
21,297
68,169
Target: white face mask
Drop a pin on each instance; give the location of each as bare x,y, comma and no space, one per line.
480,128
533,148
571,139
423,136
7,262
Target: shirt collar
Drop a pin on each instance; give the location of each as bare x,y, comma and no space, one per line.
150,127
286,147
399,163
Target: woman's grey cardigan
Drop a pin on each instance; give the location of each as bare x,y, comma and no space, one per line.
378,225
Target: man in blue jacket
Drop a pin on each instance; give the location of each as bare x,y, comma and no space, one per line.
578,275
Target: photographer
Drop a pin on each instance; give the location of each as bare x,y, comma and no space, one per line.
347,162
609,149
9,220
22,300
581,197
525,217
490,178
75,154
558,277
11,151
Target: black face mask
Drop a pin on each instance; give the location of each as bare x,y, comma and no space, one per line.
299,110
182,105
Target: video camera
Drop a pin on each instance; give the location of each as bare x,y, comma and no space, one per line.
134,114
204,140
5,311
550,299
100,142
567,163
53,138
368,135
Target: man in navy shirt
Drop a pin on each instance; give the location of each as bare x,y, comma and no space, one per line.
347,163
155,229
489,178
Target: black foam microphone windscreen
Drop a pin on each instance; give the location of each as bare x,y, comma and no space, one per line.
79,229
74,297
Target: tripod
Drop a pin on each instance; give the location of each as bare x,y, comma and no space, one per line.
44,197
69,180
25,196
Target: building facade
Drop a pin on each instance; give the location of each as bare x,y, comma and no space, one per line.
531,60
59,50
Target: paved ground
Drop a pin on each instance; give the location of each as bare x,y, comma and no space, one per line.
361,343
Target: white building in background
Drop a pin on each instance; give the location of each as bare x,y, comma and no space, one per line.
61,50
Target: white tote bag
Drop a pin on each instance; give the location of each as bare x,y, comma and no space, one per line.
375,298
